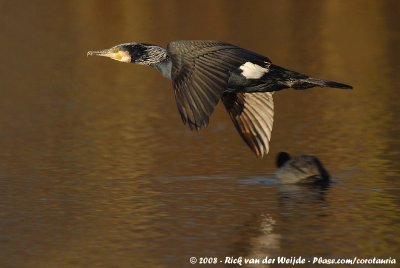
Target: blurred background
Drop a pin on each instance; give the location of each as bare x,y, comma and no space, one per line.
97,169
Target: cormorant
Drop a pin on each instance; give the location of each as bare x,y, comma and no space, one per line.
300,169
203,72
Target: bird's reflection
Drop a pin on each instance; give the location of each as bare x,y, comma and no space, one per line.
294,201
290,195
267,243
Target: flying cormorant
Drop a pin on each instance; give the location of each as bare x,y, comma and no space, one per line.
203,72
300,169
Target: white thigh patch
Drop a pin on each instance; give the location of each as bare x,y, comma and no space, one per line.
252,71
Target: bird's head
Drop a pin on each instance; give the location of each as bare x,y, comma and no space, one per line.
129,53
282,158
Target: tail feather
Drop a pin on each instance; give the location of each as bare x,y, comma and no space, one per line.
284,78
324,83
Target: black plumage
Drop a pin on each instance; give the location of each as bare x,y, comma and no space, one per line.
300,169
200,75
203,72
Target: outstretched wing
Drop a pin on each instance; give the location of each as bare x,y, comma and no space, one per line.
200,73
253,116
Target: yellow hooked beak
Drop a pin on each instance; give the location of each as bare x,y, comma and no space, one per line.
114,53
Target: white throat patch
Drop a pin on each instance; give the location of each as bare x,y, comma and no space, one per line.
122,56
253,71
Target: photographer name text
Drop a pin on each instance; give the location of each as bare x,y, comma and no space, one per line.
290,260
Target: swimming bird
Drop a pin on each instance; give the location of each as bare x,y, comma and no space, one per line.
300,169
204,72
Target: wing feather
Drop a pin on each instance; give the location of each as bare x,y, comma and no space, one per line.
200,73
252,114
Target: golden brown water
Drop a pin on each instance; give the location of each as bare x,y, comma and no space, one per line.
97,170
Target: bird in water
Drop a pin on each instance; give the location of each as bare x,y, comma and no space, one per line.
204,72
300,169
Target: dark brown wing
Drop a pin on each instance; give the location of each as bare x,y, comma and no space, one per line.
253,116
200,72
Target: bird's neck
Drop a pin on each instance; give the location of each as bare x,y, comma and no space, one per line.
158,58
165,68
